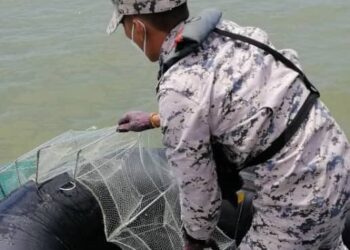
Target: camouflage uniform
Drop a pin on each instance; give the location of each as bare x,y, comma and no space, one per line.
235,94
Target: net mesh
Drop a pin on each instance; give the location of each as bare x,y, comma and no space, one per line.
130,180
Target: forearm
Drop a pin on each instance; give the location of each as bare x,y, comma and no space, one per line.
200,195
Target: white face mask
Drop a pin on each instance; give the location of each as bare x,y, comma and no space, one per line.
143,51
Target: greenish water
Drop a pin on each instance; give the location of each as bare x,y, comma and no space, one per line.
14,175
60,71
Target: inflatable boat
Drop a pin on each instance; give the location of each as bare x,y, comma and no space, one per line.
64,211
47,216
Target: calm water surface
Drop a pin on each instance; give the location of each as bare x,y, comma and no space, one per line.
60,71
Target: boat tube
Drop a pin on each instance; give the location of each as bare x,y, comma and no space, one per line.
79,189
45,217
59,216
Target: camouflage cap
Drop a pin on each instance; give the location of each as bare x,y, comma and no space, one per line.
135,7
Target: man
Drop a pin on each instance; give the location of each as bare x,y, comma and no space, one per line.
216,90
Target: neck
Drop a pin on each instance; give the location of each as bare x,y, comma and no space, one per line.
156,40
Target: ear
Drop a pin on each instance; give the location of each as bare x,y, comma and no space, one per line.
139,30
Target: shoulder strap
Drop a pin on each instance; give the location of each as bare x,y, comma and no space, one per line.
277,55
286,135
294,125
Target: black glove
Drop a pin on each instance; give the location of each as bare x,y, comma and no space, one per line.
193,244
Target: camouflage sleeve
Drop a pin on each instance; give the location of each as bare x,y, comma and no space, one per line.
186,134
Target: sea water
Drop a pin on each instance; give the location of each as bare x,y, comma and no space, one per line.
59,70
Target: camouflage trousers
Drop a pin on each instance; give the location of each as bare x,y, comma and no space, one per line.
302,231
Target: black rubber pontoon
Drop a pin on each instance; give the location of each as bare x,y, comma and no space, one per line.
46,217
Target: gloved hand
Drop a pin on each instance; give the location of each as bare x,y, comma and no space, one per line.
135,121
201,246
193,244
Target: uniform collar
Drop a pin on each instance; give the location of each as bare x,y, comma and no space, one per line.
169,44
186,37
